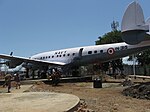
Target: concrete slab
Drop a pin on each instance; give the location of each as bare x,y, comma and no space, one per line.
38,102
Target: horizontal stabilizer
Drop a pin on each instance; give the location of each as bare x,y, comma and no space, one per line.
133,25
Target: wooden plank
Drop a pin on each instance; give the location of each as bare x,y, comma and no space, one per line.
139,76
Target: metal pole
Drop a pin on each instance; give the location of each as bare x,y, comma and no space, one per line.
133,57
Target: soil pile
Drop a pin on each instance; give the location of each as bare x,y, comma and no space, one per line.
140,91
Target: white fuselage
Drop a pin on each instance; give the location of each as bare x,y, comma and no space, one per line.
92,54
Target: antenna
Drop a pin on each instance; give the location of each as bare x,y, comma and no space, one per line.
11,53
114,25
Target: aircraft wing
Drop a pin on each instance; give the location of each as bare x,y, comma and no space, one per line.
18,60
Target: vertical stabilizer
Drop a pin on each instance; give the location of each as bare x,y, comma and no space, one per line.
133,18
133,25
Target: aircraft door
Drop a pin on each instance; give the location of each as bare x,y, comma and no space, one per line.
80,52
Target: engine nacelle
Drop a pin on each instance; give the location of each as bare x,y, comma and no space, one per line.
12,63
133,26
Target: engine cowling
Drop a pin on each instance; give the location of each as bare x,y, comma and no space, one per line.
12,64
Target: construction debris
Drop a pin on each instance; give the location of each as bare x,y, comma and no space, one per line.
140,91
83,107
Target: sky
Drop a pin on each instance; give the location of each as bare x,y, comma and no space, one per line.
28,27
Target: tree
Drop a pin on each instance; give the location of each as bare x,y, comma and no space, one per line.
143,58
111,37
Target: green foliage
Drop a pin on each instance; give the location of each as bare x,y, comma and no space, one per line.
111,37
144,57
115,37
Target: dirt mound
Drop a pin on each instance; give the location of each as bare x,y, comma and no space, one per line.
140,91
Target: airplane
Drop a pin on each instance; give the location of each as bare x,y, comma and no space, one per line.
6,69
133,27
18,69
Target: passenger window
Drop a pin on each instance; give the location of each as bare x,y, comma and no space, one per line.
64,55
49,56
101,51
73,54
52,56
89,52
95,52
68,54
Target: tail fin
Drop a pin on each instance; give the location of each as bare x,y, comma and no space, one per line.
133,25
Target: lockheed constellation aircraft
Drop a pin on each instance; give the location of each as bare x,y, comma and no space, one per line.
133,27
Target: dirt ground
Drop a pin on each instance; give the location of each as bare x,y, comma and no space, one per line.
107,99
